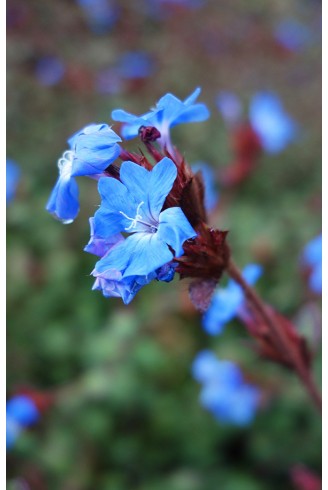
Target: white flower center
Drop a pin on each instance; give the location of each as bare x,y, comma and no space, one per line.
138,219
65,164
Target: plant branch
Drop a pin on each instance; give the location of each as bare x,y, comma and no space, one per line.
279,335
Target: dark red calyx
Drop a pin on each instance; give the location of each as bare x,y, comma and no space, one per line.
148,134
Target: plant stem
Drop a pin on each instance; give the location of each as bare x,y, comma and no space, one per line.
279,335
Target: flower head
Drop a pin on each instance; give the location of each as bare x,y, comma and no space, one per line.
168,112
134,205
227,301
224,392
92,150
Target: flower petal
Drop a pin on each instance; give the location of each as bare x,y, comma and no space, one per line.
162,178
94,161
116,200
100,246
63,202
174,229
140,254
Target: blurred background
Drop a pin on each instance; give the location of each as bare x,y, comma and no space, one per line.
119,408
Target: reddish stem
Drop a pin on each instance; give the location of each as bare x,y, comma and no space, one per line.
279,334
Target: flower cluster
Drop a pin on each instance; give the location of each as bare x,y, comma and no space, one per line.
152,219
224,392
21,412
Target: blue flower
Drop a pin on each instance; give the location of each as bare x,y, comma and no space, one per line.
224,392
268,118
92,150
21,412
227,301
229,105
100,246
134,206
211,196
101,15
108,81
135,64
12,178
312,258
292,34
13,430
49,70
169,112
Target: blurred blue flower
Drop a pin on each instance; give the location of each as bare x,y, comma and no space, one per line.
108,81
135,64
49,70
312,258
12,178
169,111
224,392
227,301
230,107
268,118
21,412
92,150
292,34
134,206
101,15
211,197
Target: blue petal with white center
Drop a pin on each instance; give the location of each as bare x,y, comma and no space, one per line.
92,150
227,301
134,206
271,122
63,202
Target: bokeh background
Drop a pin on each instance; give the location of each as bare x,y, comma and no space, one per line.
120,406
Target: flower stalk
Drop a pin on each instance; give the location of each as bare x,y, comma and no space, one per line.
283,342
